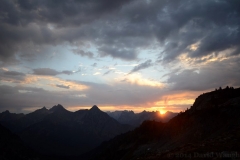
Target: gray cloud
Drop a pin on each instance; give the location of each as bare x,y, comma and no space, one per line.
94,65
120,28
68,72
22,100
24,21
62,86
141,66
12,76
211,76
107,72
200,22
30,89
83,53
14,73
115,52
49,72
7,90
60,12
45,71
119,94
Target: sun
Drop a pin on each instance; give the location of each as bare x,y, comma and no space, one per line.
162,112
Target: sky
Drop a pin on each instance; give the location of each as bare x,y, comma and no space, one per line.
154,55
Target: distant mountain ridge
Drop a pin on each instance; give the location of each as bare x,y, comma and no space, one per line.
58,131
135,119
6,115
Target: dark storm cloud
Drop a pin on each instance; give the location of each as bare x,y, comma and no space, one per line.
141,66
22,22
61,12
213,75
49,72
119,28
219,40
179,24
214,24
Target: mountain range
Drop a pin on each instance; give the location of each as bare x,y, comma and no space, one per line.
135,119
209,129
58,131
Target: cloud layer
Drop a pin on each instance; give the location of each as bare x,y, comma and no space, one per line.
50,72
119,29
141,66
67,47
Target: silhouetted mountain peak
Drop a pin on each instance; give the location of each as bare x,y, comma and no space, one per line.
6,112
57,108
6,115
144,111
169,112
126,111
95,108
43,109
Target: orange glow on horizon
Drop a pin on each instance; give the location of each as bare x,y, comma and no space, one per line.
161,110
174,102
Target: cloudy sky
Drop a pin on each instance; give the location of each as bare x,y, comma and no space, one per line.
123,54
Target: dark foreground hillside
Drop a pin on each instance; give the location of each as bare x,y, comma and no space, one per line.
209,129
11,147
